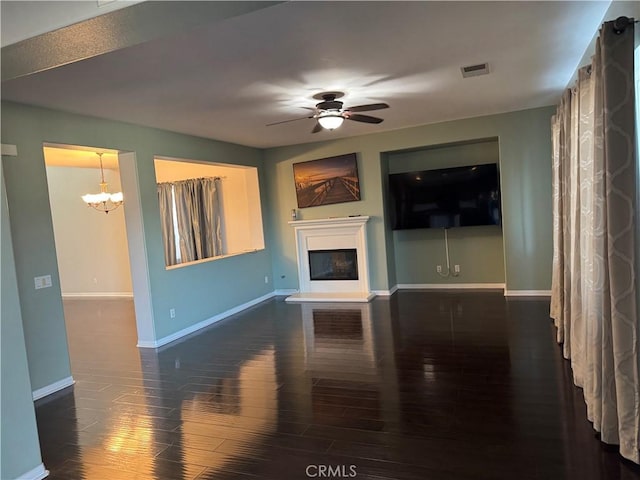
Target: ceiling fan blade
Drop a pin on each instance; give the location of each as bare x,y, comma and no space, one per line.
368,108
317,128
363,118
287,121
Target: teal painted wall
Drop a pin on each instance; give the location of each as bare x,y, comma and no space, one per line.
282,198
197,292
19,447
388,233
525,148
444,156
34,252
478,250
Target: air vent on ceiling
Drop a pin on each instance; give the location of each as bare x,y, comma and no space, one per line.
475,70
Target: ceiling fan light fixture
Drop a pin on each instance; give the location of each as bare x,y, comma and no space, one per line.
330,120
330,113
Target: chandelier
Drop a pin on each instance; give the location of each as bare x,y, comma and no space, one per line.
103,201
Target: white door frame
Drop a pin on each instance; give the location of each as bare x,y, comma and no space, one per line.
137,249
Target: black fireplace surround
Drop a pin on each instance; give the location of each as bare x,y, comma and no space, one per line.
340,264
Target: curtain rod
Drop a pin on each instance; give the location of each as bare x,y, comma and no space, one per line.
620,24
203,178
194,178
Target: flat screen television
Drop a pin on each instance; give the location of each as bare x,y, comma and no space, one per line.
445,198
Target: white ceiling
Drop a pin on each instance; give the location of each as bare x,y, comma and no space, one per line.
228,79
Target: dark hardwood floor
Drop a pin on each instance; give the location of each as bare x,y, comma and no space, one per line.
422,386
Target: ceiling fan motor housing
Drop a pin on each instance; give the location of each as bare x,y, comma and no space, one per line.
330,105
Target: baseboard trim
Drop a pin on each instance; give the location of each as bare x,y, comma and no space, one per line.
79,295
527,293
52,388
451,286
37,473
386,293
203,324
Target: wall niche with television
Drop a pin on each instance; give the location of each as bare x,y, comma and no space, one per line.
454,187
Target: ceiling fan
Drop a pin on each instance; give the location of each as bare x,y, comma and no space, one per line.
330,112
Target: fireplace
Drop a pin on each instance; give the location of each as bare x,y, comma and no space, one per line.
337,264
332,260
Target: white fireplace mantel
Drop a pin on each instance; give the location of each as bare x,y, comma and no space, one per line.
330,234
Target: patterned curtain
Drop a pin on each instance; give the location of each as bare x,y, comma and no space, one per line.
594,290
197,220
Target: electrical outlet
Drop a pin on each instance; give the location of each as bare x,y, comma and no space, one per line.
439,268
172,312
456,269
266,279
42,282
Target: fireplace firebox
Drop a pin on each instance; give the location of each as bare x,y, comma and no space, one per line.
337,264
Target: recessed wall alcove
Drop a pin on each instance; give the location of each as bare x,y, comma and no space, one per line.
479,250
239,197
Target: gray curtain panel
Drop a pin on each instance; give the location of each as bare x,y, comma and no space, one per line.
212,241
594,289
165,200
619,137
183,194
198,218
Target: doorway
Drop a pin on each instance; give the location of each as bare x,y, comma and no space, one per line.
94,248
91,245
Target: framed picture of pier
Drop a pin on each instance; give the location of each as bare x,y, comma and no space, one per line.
326,181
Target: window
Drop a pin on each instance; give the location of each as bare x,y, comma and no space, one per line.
207,210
